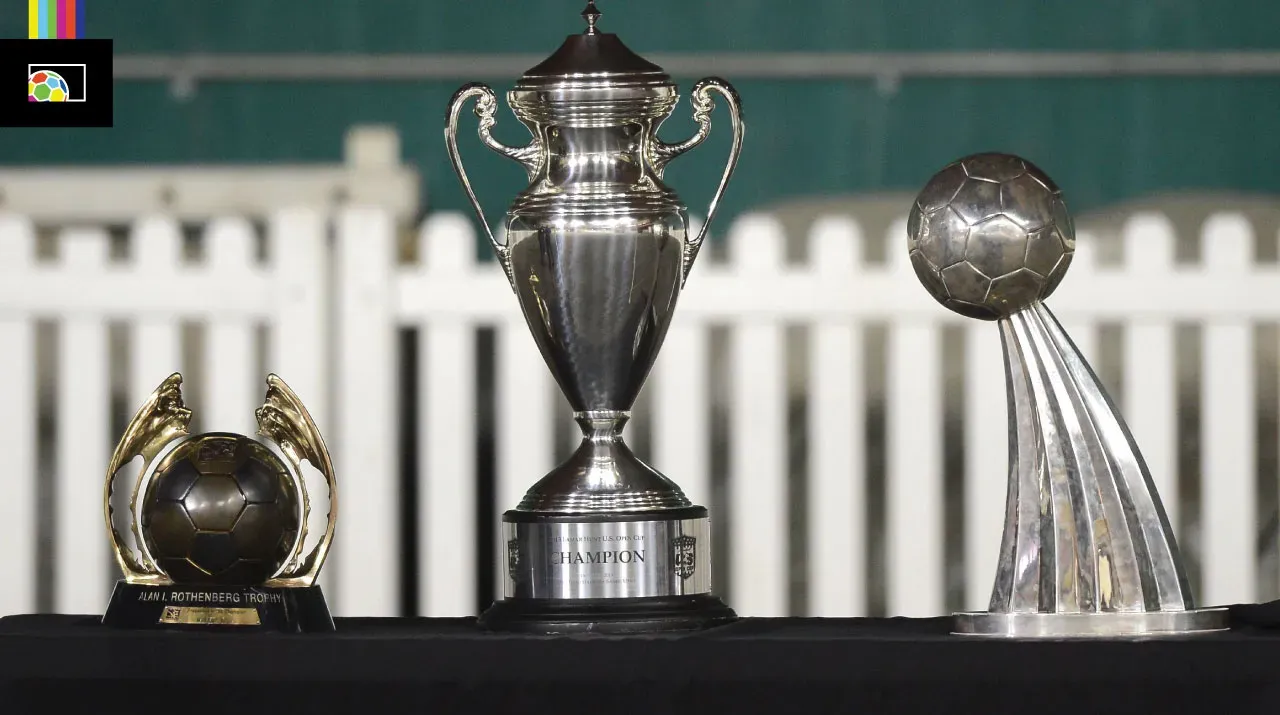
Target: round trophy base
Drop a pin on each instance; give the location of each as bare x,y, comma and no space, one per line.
607,616
1113,624
209,608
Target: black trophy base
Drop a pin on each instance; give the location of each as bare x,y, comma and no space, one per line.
607,616
222,608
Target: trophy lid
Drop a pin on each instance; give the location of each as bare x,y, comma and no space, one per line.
593,60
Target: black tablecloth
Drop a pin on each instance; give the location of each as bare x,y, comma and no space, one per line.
71,664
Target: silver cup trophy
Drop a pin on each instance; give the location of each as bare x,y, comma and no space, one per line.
1087,547
597,249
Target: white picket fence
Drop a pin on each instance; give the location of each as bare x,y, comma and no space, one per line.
332,310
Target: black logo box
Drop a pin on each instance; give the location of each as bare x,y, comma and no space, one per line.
17,55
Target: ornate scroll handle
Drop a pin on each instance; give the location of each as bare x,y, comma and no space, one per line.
702,106
529,155
161,420
285,421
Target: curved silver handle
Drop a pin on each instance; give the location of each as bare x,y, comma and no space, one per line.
703,103
529,155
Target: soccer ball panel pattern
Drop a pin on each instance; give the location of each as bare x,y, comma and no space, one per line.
255,532
993,167
214,502
1044,250
977,200
928,274
1021,197
946,183
995,241
943,237
47,86
966,283
996,246
222,509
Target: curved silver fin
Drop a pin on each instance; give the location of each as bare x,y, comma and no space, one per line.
1085,531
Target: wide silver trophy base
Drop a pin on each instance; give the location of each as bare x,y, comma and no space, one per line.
1115,624
613,573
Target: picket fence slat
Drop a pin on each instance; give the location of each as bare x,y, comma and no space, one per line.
155,341
229,344
913,447
447,498
986,467
447,433
681,410
1150,381
837,544
298,338
913,479
367,553
18,424
1228,446
758,523
680,399
524,421
1082,278
83,433
298,334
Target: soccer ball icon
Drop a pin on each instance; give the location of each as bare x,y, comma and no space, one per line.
221,509
47,86
990,235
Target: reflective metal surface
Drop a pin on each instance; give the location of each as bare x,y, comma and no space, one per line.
608,559
228,498
597,247
1112,624
1087,547
220,508
989,235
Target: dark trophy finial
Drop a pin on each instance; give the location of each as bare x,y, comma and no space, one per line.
591,14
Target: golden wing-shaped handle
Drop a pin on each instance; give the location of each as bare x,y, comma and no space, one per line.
161,419
283,420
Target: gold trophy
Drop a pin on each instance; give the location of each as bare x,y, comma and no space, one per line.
219,520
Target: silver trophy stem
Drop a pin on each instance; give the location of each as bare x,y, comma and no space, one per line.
603,475
1087,547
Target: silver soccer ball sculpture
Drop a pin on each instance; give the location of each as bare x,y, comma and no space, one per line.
990,235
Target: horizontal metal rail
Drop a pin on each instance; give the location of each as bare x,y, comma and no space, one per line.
739,65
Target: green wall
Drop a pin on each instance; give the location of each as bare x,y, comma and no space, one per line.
1102,139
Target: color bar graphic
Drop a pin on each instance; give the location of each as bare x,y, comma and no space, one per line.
55,19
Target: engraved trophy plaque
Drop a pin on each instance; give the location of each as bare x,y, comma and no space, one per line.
597,249
1087,547
217,535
